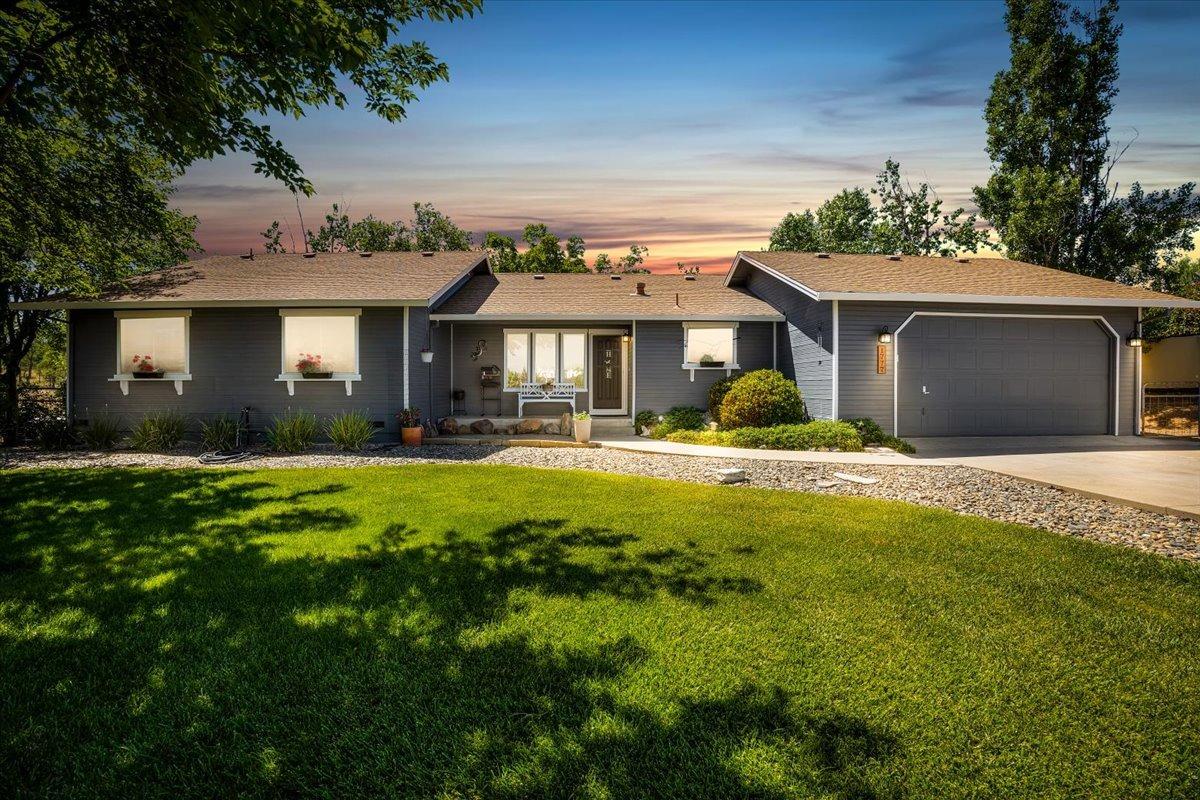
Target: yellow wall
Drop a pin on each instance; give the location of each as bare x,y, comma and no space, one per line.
1171,362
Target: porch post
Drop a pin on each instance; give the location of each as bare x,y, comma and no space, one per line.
405,357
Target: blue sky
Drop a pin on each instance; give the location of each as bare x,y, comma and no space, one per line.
692,127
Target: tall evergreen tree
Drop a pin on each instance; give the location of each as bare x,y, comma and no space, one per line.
1050,195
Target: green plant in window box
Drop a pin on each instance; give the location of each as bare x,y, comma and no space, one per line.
707,360
143,367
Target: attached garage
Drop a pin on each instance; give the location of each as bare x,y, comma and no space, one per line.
931,346
976,375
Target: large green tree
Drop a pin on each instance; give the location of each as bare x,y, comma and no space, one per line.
194,80
78,211
429,229
906,220
544,252
1050,195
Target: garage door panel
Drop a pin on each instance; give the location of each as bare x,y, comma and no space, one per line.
994,376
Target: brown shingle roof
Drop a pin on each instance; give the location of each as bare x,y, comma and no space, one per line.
845,276
521,295
290,278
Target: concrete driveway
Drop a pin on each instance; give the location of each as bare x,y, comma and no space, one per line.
1157,474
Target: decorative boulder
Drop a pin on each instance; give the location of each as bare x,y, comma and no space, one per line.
448,426
529,426
550,428
564,423
482,426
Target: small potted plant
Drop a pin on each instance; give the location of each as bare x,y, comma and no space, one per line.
707,360
143,367
583,427
310,367
410,426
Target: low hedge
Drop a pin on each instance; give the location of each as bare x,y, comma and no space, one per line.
870,433
679,418
805,436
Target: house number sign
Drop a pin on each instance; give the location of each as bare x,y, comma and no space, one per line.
881,359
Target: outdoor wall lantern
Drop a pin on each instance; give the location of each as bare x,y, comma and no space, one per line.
426,355
885,335
625,337
1135,339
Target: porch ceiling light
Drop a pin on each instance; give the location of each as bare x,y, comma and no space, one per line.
885,335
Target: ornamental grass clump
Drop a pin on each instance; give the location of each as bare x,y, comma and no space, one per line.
350,430
294,432
220,433
102,432
159,431
761,399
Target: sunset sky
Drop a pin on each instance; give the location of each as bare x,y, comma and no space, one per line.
691,128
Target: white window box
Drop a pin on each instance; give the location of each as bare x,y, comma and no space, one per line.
126,378
292,378
726,368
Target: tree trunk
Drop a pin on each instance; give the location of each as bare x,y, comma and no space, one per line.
9,403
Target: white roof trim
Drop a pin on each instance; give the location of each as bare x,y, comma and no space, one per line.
440,293
795,284
1019,300
533,316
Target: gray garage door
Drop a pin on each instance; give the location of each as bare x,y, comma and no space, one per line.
990,376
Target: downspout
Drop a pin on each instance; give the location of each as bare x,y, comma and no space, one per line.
1137,380
69,389
404,360
834,411
633,343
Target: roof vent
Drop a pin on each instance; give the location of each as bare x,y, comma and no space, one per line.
822,255
893,258
641,288
365,254
615,277
427,253
310,255
539,276
689,277
963,260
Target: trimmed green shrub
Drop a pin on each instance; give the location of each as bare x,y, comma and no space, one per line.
761,399
646,419
158,431
294,432
871,433
102,432
53,434
679,418
221,433
716,394
350,430
806,436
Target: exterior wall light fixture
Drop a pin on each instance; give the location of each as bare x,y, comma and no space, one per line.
885,335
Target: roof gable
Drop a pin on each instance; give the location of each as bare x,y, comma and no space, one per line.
841,276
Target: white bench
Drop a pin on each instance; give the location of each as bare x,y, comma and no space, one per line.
545,393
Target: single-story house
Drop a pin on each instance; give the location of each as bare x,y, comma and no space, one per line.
924,345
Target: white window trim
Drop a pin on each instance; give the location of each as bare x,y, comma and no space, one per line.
291,377
587,371
691,367
125,378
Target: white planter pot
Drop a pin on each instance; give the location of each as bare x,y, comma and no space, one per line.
583,430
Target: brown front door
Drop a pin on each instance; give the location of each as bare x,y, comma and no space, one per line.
606,373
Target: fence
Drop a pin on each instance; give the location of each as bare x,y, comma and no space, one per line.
1171,411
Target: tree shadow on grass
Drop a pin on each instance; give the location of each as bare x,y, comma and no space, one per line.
170,652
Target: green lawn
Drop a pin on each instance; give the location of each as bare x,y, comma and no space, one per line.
452,631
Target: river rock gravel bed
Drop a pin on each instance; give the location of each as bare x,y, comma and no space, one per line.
961,489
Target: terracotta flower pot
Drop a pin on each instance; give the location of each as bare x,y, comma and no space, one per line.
411,437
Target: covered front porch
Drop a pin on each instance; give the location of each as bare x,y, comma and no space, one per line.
525,370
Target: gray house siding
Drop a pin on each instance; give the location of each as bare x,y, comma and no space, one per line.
432,400
862,392
805,342
662,382
234,362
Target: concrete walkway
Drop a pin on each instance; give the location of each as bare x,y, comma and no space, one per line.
1155,474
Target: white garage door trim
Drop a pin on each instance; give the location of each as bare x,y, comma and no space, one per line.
1116,380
